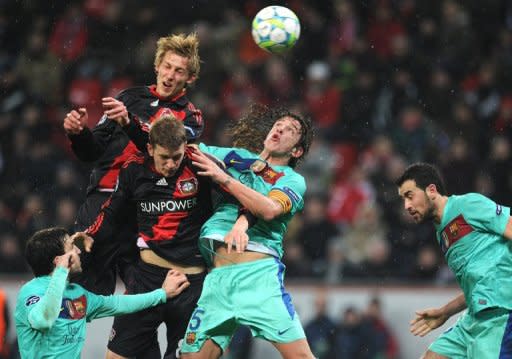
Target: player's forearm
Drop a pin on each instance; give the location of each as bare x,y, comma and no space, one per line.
261,206
455,305
85,147
136,133
45,312
124,304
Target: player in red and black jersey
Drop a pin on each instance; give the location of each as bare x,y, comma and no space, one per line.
177,65
172,202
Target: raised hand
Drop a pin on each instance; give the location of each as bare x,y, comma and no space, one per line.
209,167
175,282
115,110
82,239
75,121
427,320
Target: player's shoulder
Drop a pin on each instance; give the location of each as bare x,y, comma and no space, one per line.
135,160
470,197
133,92
31,292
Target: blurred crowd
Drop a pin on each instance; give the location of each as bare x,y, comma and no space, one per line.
387,82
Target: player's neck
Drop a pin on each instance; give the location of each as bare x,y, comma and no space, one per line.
440,206
275,159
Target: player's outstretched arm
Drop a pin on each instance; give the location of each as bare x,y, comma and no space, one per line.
261,206
113,305
427,320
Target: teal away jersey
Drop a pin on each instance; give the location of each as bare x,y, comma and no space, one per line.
42,337
249,169
471,237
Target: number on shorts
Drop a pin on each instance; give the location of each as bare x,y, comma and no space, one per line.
195,320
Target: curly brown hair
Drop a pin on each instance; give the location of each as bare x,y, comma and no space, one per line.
252,128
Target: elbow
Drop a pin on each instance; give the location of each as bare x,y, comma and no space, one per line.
270,213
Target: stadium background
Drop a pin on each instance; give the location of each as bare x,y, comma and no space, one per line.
386,83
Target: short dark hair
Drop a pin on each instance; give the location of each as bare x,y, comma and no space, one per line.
43,247
167,132
424,174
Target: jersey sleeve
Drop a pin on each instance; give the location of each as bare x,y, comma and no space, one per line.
218,152
485,214
289,190
138,133
193,123
89,145
105,223
105,306
43,309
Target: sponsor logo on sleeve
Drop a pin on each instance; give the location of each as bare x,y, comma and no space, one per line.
33,299
293,196
499,209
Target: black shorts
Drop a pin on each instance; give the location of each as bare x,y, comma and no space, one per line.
135,335
100,267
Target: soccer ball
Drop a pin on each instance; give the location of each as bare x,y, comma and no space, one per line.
275,29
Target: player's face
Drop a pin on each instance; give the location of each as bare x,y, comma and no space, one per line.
282,139
69,246
167,161
172,74
416,202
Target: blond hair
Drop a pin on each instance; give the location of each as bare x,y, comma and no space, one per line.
182,45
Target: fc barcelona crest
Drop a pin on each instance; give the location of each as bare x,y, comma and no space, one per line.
191,338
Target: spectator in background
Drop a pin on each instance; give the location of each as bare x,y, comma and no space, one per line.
316,233
40,70
351,337
322,99
385,345
320,329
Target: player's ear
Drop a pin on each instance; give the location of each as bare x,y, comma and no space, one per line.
150,149
191,79
297,152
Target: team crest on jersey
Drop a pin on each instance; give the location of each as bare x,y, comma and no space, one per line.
454,231
188,186
33,299
73,308
191,338
269,175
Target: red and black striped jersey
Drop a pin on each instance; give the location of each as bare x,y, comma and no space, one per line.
170,210
108,145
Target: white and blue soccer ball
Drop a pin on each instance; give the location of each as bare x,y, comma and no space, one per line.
275,29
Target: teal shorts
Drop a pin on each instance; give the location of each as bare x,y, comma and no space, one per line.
485,335
250,294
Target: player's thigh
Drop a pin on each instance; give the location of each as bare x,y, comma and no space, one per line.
136,333
451,344
213,319
298,349
264,305
492,335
